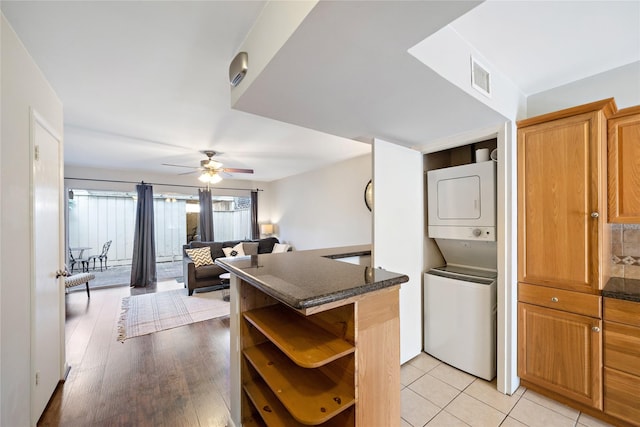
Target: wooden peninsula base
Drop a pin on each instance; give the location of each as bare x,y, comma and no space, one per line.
336,364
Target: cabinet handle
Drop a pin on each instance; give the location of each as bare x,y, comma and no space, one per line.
595,329
554,299
595,214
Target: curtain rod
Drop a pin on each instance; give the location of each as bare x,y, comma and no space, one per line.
158,183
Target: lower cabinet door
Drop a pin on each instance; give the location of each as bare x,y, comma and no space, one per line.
561,352
621,392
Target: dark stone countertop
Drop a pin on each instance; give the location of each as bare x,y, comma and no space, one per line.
619,288
304,279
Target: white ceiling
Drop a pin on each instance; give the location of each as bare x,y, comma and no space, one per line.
146,83
365,84
545,44
361,78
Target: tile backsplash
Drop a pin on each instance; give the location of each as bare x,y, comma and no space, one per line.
625,250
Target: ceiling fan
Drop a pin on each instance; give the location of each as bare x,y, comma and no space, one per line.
210,170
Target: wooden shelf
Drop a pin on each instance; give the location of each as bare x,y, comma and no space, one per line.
308,395
274,414
307,344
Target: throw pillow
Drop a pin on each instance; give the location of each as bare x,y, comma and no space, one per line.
200,256
234,251
250,248
280,247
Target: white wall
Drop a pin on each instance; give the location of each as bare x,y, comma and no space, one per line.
321,208
622,83
23,86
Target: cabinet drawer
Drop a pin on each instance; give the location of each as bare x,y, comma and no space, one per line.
617,310
559,299
622,347
621,393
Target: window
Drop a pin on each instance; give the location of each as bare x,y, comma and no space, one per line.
95,217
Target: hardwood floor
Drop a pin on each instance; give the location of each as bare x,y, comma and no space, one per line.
178,377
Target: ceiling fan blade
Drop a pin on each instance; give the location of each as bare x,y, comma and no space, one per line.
180,166
236,170
188,173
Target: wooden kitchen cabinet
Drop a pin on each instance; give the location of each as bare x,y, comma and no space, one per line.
624,166
561,352
622,359
563,241
563,248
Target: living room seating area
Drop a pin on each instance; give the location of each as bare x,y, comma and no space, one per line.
198,259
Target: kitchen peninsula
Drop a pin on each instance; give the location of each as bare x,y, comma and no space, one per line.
314,340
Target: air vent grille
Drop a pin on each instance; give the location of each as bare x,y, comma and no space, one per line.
238,68
480,78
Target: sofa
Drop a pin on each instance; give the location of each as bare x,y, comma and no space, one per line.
209,275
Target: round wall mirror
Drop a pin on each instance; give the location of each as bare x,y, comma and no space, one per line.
368,195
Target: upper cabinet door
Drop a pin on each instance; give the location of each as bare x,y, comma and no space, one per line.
624,166
560,201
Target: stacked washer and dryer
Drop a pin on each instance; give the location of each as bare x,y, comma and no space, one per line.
460,297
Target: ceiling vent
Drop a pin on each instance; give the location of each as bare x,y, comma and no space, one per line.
480,78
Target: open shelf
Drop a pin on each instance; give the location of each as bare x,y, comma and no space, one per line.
276,415
307,344
295,368
308,395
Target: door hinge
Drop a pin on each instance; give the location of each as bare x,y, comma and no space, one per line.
37,378
36,152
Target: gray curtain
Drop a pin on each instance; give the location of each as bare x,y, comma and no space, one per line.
143,264
255,229
206,216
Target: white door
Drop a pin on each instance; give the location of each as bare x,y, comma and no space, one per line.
47,294
398,232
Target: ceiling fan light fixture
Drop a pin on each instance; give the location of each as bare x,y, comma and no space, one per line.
210,177
210,164
215,178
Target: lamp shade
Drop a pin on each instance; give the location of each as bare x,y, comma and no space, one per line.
266,228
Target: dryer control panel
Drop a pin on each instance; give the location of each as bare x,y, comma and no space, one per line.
463,233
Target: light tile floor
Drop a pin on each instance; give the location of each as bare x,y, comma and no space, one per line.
434,394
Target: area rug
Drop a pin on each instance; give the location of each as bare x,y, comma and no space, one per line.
148,313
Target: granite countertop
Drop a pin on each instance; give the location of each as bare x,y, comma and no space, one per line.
304,279
619,288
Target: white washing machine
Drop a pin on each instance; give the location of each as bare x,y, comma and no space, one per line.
460,318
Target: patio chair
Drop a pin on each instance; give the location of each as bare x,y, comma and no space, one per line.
102,257
84,263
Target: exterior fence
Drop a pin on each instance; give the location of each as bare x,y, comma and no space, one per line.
93,220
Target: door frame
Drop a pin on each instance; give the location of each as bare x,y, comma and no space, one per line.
37,119
507,232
